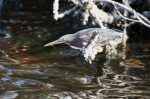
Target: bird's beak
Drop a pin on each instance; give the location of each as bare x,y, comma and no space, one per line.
53,43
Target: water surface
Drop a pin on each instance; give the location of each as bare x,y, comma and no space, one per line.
61,72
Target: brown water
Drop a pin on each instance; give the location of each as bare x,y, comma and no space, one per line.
36,72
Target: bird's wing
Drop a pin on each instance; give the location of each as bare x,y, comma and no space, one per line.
86,34
105,39
105,35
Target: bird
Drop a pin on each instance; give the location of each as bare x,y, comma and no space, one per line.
79,39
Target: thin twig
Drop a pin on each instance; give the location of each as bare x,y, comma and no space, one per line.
146,22
124,16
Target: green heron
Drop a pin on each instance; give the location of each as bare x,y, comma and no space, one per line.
79,39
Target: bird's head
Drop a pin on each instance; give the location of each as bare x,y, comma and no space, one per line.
67,39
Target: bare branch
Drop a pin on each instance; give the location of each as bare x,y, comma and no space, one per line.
56,8
124,16
143,19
